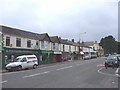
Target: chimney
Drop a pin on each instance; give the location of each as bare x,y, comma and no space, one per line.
59,37
72,40
95,41
82,42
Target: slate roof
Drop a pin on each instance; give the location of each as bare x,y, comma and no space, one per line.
73,43
68,42
18,32
63,41
43,36
22,33
88,43
55,39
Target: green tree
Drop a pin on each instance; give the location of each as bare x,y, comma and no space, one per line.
109,45
118,47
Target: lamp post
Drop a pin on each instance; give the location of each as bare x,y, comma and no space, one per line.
80,35
79,43
0,56
1,45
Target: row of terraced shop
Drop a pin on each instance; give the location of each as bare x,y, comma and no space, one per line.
48,49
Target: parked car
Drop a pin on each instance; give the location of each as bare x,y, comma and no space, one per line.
112,61
23,62
93,55
86,57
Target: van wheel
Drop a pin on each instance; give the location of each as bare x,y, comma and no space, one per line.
19,68
34,66
10,70
106,66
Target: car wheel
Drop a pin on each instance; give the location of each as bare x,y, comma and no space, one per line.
113,66
34,66
10,70
19,68
106,66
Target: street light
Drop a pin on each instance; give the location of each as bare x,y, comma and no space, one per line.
79,44
1,45
80,35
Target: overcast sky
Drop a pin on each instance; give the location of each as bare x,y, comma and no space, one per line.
65,18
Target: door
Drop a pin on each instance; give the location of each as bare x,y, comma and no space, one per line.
24,63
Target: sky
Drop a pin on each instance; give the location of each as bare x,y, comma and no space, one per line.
87,20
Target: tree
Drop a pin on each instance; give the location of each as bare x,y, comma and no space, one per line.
109,45
118,47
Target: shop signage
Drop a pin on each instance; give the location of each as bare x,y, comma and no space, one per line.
57,52
18,51
46,52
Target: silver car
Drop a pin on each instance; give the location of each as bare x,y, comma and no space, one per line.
112,61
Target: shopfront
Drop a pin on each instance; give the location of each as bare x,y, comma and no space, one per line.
46,56
9,54
57,57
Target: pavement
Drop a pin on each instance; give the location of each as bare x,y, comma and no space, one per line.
72,74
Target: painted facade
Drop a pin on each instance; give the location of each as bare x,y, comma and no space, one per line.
47,49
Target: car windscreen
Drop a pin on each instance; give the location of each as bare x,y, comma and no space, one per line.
111,58
17,59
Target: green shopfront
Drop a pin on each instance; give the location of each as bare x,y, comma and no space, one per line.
46,56
9,54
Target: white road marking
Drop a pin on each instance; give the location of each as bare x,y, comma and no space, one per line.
64,68
36,74
7,73
117,70
117,75
3,81
99,71
113,82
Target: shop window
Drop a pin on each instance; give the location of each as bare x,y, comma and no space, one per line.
28,43
18,42
7,41
44,57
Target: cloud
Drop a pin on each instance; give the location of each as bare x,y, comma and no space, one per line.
65,18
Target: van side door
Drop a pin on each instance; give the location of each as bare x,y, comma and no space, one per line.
24,63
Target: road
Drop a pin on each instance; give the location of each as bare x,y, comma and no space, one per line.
71,74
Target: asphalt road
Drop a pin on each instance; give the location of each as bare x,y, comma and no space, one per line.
71,74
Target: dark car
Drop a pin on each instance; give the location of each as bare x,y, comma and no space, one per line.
112,61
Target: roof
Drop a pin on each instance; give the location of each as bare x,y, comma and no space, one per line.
18,32
73,43
55,39
43,36
88,43
68,42
23,33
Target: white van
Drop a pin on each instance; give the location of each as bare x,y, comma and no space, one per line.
23,62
